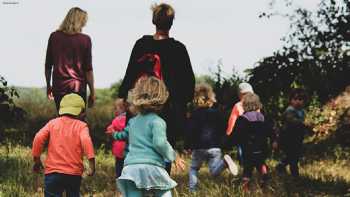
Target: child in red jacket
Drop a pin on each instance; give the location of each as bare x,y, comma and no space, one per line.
68,141
118,124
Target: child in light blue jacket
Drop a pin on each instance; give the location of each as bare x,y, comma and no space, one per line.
144,166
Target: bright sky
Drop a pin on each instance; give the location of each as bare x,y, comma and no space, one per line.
211,30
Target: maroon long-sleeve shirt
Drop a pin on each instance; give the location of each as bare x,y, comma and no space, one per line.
70,58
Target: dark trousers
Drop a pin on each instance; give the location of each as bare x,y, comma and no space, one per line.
292,157
56,183
252,161
119,164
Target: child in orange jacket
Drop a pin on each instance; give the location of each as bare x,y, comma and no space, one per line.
68,140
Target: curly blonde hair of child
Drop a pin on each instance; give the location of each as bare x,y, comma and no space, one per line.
204,96
148,95
251,102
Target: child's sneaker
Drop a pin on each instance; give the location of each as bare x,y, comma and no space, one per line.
233,168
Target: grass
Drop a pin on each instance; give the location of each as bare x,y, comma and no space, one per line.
325,175
325,169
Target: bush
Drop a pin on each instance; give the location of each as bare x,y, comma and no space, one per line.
10,113
40,110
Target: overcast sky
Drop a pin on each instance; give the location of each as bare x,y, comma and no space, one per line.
211,30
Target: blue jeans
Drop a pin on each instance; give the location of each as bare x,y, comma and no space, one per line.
129,189
56,183
215,162
240,154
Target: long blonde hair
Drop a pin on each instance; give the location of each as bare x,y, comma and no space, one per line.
74,21
148,95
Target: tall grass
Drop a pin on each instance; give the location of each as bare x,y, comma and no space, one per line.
327,176
325,169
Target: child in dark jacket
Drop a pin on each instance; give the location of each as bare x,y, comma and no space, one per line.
251,132
293,131
206,127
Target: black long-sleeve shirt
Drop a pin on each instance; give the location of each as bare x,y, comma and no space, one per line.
176,68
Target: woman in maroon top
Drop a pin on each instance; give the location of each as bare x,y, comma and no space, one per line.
68,58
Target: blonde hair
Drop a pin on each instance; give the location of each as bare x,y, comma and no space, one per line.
74,21
251,102
163,16
148,95
204,96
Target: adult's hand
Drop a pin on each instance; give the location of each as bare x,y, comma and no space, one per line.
90,82
91,100
49,93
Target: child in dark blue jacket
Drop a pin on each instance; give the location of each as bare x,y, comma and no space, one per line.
206,127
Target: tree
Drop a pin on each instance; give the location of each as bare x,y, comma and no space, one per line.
8,110
315,56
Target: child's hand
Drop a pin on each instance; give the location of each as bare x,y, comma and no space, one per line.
91,170
37,167
180,164
110,130
188,151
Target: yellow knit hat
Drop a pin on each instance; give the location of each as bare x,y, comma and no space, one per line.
72,104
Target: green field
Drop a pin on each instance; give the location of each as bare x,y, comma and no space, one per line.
325,169
325,172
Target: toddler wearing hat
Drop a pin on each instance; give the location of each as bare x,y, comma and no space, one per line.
68,140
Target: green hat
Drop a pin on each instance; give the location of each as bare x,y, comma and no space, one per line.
72,104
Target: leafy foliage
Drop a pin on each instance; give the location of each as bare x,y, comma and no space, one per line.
315,56
8,110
